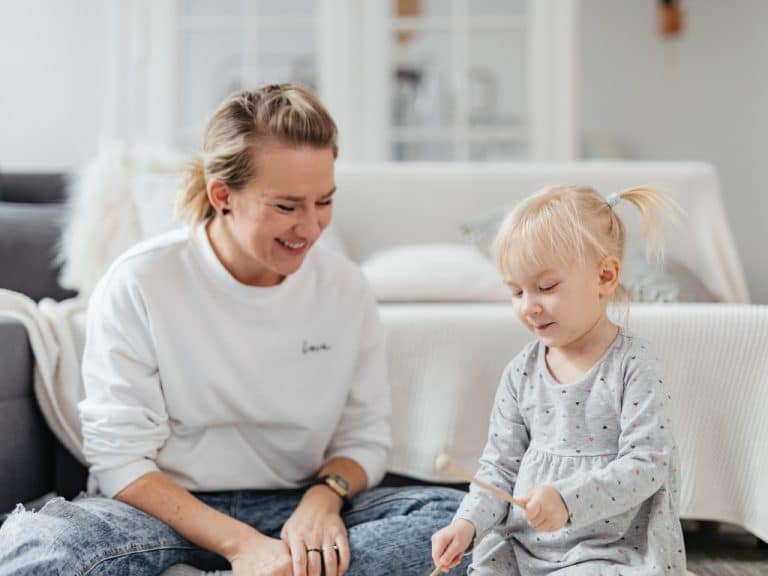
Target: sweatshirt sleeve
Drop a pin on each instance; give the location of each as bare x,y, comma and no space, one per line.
508,440
123,415
644,454
363,432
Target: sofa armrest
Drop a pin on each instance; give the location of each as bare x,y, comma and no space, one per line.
26,443
29,187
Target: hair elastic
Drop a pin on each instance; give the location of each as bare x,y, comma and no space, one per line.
613,199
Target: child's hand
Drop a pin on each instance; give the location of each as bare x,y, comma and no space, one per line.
449,543
545,509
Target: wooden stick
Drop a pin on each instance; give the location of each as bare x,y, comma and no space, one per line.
445,463
438,570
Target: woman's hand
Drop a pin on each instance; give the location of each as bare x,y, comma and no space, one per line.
449,543
545,509
316,535
260,555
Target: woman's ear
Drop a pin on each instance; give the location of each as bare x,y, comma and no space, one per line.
610,272
218,195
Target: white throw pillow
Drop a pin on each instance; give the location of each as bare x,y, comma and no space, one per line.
153,195
434,273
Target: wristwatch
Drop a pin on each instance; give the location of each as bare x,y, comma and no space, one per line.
335,483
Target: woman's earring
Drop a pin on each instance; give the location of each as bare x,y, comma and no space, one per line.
225,211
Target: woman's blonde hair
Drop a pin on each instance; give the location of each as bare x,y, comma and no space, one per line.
284,114
562,225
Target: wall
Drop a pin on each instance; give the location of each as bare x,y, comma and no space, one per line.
52,82
703,97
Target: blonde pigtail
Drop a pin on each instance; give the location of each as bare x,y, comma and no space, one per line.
653,207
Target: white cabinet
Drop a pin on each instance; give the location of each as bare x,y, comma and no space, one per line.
446,80
458,80
451,80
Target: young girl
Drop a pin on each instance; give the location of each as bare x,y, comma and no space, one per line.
579,430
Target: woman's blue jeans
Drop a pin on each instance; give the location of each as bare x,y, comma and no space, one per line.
389,533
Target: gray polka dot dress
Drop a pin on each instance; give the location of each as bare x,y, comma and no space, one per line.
605,442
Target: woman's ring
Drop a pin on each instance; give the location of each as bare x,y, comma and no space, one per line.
314,550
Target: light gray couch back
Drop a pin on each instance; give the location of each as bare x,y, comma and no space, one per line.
32,212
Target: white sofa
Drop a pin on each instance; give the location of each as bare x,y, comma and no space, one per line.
449,339
446,357
446,352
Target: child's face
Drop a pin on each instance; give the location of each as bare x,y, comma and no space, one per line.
560,305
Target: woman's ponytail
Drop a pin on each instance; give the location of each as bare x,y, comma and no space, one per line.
192,203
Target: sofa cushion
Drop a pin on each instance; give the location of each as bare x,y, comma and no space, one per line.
28,237
16,360
434,273
26,462
660,282
32,187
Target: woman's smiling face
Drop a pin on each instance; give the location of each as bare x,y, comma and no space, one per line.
276,218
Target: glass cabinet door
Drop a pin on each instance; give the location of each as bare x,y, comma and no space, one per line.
406,80
227,46
458,80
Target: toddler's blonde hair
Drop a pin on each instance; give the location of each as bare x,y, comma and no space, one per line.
563,225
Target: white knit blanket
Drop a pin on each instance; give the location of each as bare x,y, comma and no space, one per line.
56,332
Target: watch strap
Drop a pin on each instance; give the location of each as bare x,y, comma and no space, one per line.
335,483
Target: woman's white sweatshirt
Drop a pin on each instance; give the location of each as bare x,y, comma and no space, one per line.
224,386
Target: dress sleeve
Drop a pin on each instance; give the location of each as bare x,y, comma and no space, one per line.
508,440
123,415
644,451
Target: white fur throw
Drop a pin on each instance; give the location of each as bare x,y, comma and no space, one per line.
104,219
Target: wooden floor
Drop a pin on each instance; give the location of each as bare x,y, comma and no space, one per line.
718,550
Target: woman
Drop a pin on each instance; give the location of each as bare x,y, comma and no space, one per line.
236,409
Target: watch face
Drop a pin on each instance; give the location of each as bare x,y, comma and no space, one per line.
337,484
341,482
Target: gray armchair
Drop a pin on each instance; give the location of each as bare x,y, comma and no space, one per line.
32,462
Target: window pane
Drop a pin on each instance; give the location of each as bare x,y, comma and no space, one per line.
211,67
286,7
497,90
491,151
418,151
496,7
421,93
283,56
211,8
215,63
